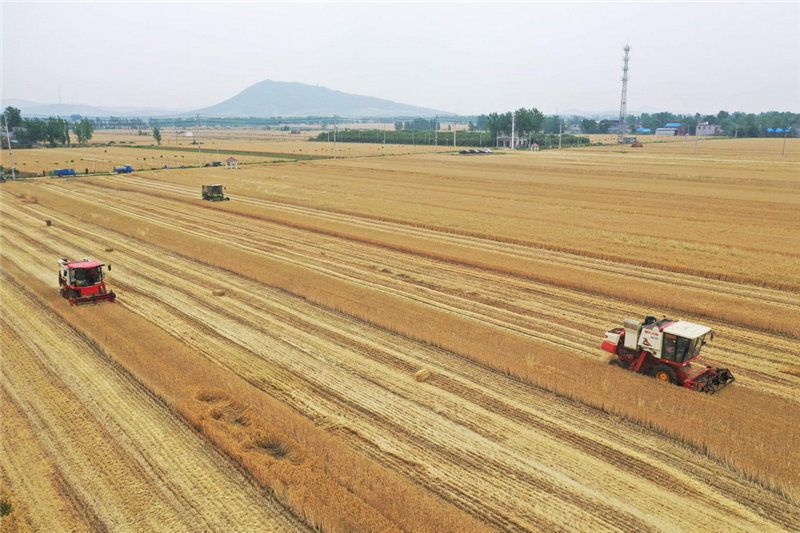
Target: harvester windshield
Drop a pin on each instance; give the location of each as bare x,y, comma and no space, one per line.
683,341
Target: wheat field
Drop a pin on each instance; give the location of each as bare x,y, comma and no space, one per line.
407,342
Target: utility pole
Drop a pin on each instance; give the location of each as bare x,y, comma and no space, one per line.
559,133
785,133
512,131
454,135
436,131
10,153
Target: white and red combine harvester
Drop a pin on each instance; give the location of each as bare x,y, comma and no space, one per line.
82,281
665,350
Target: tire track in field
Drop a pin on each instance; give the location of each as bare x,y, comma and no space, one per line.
437,283
133,462
232,332
541,319
511,249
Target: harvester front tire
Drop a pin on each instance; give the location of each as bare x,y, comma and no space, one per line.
616,362
665,373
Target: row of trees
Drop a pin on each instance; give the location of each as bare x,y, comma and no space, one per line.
409,136
527,122
418,124
736,124
54,130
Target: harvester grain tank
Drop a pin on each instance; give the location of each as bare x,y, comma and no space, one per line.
666,349
214,193
83,281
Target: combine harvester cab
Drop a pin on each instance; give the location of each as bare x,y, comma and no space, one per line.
83,281
666,349
214,193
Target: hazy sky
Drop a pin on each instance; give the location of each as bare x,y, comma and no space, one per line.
466,58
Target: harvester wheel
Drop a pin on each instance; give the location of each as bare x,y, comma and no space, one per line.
665,373
616,362
63,293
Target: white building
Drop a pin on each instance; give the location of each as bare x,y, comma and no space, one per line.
704,129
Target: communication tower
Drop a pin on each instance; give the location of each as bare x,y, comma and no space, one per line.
623,102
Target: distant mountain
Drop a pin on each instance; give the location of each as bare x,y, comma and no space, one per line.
291,99
37,109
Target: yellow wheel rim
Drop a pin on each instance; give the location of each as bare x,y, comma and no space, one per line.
662,376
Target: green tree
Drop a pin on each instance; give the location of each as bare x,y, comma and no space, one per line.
589,125
55,131
527,121
497,123
83,130
31,131
11,116
604,124
157,135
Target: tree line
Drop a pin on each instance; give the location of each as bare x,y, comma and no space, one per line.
736,124
408,136
54,130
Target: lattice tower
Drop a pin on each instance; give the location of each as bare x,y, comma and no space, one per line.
623,102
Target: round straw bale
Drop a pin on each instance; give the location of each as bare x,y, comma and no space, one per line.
218,292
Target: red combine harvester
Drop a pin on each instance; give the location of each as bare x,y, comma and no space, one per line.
665,350
82,282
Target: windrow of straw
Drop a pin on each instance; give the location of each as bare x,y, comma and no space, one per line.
765,426
316,475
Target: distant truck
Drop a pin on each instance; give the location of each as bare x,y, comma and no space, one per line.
64,172
123,169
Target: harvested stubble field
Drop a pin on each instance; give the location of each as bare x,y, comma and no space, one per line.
105,158
410,343
273,142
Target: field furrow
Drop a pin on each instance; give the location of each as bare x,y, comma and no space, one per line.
127,458
493,446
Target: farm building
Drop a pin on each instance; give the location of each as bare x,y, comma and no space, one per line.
704,128
668,132
677,126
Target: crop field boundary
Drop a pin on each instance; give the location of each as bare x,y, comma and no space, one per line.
680,414
289,157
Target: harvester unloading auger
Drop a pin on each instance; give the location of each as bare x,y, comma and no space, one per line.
83,281
665,350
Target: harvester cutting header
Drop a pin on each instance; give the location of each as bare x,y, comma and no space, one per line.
83,281
665,350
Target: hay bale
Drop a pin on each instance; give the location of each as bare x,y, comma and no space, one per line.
422,374
48,222
218,292
109,249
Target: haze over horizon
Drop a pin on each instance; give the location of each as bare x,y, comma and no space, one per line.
463,58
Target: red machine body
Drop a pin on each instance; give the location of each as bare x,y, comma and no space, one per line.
666,349
83,281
